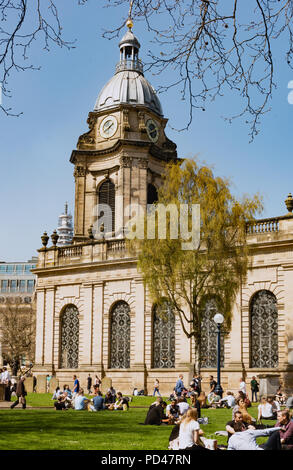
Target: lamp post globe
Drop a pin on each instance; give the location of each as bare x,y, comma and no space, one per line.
219,319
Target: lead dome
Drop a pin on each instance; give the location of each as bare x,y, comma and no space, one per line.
128,85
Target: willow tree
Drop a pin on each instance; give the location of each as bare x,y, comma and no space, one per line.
216,263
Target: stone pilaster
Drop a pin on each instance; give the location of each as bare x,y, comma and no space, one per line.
49,327
139,362
86,327
40,323
97,336
233,346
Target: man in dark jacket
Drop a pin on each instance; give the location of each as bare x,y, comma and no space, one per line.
20,393
156,414
89,384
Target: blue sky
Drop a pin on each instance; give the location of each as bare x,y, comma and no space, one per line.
36,176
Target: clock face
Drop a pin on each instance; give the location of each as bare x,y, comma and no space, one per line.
152,130
108,127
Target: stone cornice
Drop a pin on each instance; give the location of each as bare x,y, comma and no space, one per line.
154,150
80,267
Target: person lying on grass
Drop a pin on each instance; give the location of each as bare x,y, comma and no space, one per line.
246,440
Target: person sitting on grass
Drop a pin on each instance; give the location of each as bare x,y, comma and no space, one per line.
241,406
244,398
280,397
113,393
60,403
67,400
213,399
275,406
237,425
67,390
286,431
122,403
195,403
189,432
183,406
228,401
172,411
203,400
98,402
80,401
156,414
56,394
109,399
265,410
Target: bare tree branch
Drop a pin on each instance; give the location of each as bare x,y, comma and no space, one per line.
212,47
22,24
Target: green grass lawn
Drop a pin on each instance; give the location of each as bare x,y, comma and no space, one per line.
47,429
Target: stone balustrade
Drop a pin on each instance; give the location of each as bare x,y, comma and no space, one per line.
263,226
87,252
106,250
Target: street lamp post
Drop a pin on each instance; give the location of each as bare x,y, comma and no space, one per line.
218,319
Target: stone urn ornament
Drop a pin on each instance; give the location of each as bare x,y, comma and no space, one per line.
289,203
45,239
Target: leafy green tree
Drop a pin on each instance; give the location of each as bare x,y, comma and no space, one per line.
216,266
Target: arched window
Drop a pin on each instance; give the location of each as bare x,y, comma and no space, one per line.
107,197
120,336
152,195
264,330
69,338
209,333
163,337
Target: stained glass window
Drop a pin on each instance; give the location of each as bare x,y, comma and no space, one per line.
163,337
264,330
69,338
209,335
120,336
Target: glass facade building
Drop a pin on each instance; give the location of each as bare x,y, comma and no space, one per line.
17,280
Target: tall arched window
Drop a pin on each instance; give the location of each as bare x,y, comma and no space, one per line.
209,332
120,336
264,330
163,337
152,195
107,197
69,338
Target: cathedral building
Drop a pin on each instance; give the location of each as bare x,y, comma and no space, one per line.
94,314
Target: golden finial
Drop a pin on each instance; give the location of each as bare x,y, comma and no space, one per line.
129,22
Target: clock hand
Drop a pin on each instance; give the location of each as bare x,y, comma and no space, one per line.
108,127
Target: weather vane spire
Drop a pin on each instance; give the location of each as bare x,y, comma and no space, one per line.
129,22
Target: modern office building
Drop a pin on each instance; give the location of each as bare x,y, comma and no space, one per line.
17,286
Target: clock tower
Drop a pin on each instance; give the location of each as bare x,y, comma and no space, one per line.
119,161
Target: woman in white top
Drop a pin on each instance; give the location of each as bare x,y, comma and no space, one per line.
265,410
189,431
242,386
